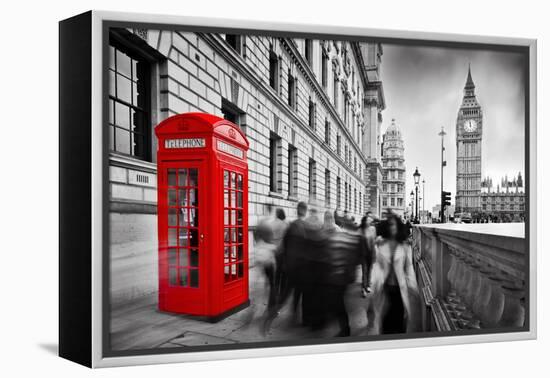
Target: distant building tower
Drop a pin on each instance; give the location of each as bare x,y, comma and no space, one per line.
469,127
393,167
505,202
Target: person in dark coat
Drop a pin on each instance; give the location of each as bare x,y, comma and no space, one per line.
292,259
342,252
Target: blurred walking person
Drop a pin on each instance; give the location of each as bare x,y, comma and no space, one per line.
368,230
395,300
343,252
291,260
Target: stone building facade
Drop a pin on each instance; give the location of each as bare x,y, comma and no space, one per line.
393,168
311,110
503,203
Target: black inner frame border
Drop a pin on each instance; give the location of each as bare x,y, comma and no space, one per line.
106,350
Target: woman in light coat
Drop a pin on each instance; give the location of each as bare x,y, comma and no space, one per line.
394,305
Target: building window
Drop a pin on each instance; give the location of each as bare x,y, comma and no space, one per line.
312,114
274,163
345,195
292,84
338,192
346,154
355,199
129,104
233,114
384,201
346,111
274,71
335,90
235,42
308,51
338,144
292,170
324,70
327,132
392,201
312,179
327,187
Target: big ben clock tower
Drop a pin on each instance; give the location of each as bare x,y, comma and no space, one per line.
469,127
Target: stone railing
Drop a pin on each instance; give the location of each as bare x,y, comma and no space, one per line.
471,276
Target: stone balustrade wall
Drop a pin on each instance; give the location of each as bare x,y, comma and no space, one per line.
471,276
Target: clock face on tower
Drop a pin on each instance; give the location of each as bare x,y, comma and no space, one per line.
470,125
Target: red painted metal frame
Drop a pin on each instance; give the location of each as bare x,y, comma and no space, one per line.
213,297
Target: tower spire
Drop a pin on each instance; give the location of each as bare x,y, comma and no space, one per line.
469,81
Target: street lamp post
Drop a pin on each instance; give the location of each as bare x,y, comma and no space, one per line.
416,176
412,205
442,134
423,201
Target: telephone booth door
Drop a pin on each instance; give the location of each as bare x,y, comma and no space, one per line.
235,242
182,260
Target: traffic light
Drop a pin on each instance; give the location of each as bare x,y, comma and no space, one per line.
445,201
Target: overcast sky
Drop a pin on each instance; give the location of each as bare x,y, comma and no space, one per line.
423,88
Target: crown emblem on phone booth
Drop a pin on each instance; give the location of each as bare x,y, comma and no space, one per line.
232,133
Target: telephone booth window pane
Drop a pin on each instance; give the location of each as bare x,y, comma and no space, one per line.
183,277
194,196
240,217
172,216
182,195
193,177
194,217
233,269
233,235
233,198
183,237
226,254
233,217
226,238
194,278
226,198
239,199
184,258
240,235
194,237
226,179
233,178
183,217
171,177
172,237
240,182
194,258
226,217
240,252
171,197
172,277
172,256
182,177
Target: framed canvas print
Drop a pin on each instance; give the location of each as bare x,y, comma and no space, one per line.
232,189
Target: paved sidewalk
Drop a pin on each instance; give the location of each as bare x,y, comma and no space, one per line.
140,325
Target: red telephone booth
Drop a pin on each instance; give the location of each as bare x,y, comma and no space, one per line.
202,215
